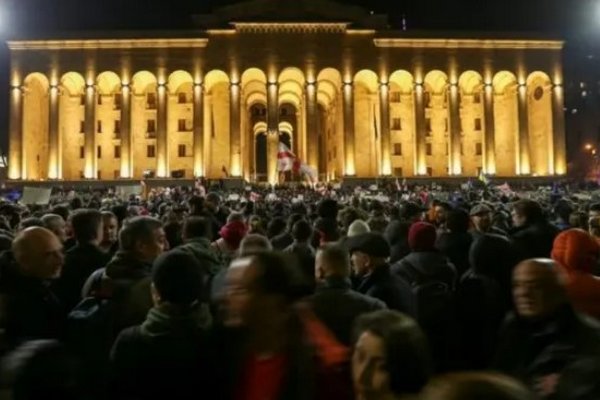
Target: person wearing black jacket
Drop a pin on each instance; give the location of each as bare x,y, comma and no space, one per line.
29,308
369,253
166,356
533,236
84,258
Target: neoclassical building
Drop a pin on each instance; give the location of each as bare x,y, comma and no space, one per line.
349,96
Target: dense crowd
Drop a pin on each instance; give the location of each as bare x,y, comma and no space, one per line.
290,293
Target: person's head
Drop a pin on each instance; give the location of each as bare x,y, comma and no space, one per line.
412,212
368,251
41,369
30,222
61,210
481,215
328,208
38,253
254,243
457,221
475,386
526,212
196,205
275,227
177,278
212,202
260,289
332,261
537,288
196,227
255,224
302,231
594,210
440,213
391,357
56,224
173,233
143,237
579,219
234,231
421,237
87,226
358,227
110,225
292,219
493,256
120,211
594,227
576,250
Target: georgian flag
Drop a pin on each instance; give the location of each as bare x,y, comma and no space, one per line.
287,161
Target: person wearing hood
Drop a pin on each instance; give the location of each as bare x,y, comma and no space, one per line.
169,349
231,234
483,298
456,241
396,232
577,254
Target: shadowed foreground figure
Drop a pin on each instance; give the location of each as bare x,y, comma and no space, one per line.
475,386
545,344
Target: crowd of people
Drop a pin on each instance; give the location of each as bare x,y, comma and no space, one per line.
296,293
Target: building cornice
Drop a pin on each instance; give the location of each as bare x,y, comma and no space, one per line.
106,44
496,44
291,27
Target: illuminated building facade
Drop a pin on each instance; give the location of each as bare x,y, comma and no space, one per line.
350,97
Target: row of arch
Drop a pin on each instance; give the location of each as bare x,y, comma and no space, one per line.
322,143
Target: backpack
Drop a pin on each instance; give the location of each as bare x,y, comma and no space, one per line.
433,298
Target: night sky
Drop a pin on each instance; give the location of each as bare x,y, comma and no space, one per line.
576,21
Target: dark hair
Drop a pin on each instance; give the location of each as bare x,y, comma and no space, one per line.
302,231
457,221
196,204
275,227
85,223
328,208
531,210
121,212
278,275
178,278
254,243
137,229
109,214
63,211
595,207
407,355
337,257
173,232
197,227
292,219
476,386
31,222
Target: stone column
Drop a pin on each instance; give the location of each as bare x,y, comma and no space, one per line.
272,131
558,124
235,149
126,148
349,157
54,140
524,165
312,137
15,139
198,130
162,151
90,170
384,107
420,131
489,141
454,125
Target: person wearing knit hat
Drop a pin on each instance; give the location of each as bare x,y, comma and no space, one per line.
577,253
369,253
231,236
358,227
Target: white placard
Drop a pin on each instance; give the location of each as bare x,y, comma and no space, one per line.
39,196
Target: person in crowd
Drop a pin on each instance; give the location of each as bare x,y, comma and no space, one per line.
532,234
350,214
562,211
56,224
212,205
255,226
545,344
594,210
577,254
357,227
231,236
325,225
439,214
475,386
579,219
30,222
396,232
302,250
391,358
285,239
82,259
196,234
275,227
369,254
483,298
269,348
377,220
169,349
254,243
173,232
456,241
110,224
335,303
127,275
481,218
30,309
39,370
594,228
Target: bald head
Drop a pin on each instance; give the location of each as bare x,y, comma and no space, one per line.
39,253
538,290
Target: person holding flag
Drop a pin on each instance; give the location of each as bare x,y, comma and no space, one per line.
287,161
